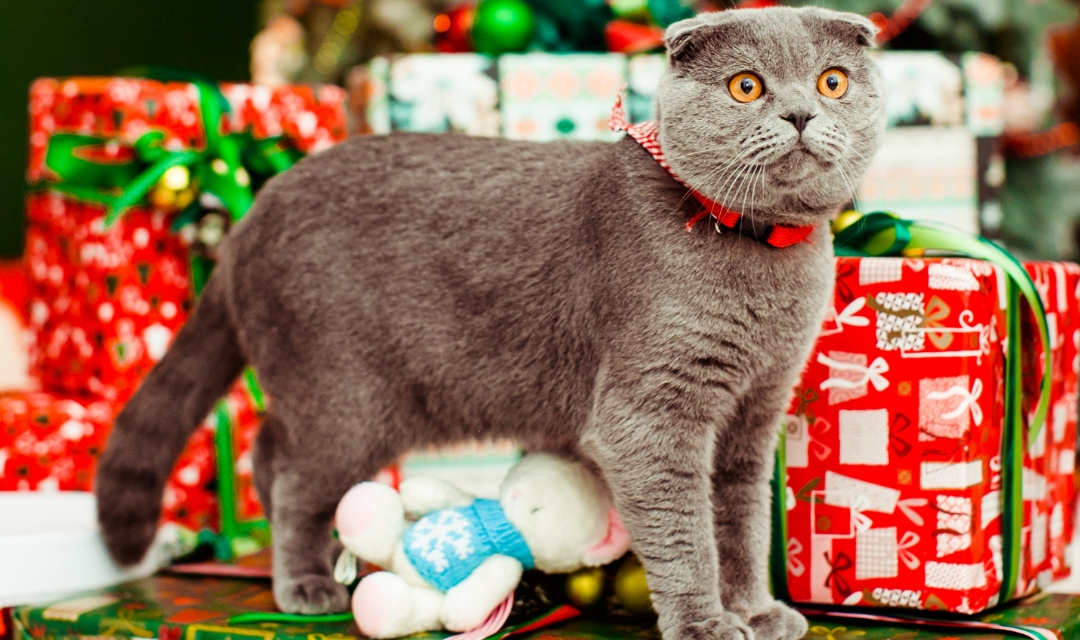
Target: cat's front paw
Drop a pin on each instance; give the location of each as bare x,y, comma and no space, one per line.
311,594
726,626
778,622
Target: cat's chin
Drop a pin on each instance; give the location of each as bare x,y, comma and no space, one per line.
800,162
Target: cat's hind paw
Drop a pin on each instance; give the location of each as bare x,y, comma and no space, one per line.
778,622
726,626
312,594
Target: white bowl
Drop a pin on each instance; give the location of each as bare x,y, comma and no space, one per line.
50,547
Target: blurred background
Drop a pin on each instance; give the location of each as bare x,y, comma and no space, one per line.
1028,184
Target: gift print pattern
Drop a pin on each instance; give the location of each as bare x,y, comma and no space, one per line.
954,520
850,375
948,406
878,492
876,270
864,437
956,577
876,553
952,277
899,318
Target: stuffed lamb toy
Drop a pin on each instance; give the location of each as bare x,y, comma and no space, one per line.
464,556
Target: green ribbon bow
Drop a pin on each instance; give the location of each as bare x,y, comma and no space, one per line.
884,234
220,168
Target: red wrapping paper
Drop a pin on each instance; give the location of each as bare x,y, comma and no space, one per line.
894,443
107,302
50,442
1049,493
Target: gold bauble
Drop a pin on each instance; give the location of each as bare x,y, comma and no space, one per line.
585,587
631,588
845,220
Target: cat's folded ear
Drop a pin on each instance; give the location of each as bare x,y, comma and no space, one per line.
685,39
850,27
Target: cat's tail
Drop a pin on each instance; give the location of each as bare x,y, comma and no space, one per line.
151,431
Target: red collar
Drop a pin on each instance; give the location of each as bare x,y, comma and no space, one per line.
647,135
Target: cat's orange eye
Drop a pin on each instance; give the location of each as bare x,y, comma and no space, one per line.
832,84
745,87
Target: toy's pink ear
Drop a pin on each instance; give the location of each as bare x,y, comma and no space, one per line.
613,546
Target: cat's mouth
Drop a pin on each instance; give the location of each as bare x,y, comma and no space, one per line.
797,162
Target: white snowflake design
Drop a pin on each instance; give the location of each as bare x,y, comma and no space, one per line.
436,535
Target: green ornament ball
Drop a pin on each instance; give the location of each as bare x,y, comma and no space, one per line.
631,588
502,26
633,10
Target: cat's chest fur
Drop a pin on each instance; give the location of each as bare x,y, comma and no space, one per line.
492,281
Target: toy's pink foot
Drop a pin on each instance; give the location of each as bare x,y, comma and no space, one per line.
385,606
369,606
370,520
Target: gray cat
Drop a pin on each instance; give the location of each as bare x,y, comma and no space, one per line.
409,290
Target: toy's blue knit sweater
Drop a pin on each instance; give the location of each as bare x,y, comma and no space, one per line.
446,546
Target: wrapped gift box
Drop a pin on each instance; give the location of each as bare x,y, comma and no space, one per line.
643,79
559,97
895,444
107,300
435,93
534,96
939,159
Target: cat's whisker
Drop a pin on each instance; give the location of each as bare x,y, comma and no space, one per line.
731,167
689,192
851,188
737,180
751,177
753,195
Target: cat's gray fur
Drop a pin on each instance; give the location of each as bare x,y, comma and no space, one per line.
402,291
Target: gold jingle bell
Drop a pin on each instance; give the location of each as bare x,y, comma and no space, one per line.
174,190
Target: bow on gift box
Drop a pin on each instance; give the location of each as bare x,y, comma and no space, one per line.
806,397
969,400
899,442
109,172
870,374
835,579
936,311
795,566
908,541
